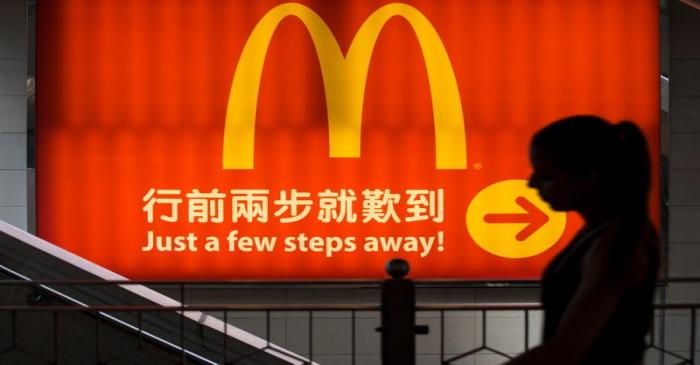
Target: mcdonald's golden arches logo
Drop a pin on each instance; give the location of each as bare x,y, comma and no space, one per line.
344,79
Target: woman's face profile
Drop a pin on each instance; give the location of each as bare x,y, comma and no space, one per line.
554,183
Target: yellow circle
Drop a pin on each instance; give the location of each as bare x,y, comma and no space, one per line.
509,219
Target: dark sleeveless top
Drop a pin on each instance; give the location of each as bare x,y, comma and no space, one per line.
621,340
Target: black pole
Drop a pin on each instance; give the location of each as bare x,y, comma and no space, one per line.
398,316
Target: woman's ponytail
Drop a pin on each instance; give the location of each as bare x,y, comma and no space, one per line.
629,169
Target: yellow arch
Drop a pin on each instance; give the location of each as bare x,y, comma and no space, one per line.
344,80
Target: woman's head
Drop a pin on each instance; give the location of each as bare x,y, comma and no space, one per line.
584,160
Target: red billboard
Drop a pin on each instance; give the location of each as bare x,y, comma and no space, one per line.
316,140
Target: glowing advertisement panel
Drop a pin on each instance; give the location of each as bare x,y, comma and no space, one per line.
318,139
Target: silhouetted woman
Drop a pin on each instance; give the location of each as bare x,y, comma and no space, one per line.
598,292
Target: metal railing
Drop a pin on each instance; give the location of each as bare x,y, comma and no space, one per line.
134,318
527,309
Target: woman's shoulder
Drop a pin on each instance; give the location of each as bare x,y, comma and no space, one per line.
623,257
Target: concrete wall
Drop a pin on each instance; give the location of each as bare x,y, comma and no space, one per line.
684,164
331,331
684,168
13,113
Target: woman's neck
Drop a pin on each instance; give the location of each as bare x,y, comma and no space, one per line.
595,214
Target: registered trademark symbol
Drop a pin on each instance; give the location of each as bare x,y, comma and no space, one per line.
477,166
